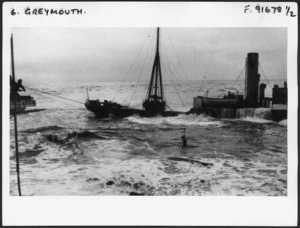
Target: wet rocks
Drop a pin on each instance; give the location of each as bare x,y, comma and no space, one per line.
267,172
165,179
52,161
282,181
31,161
92,179
125,183
89,135
192,161
31,152
109,183
283,171
225,164
37,146
139,185
136,194
129,185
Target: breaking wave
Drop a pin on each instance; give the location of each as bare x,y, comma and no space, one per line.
45,128
283,123
187,120
256,120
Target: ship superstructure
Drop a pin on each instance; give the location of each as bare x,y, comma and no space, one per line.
236,105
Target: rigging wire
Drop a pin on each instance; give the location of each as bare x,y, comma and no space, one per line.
57,99
209,63
54,95
169,65
140,73
240,74
179,61
174,85
263,73
132,65
176,89
169,107
63,102
151,56
234,83
175,78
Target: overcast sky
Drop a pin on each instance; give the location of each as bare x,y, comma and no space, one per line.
108,54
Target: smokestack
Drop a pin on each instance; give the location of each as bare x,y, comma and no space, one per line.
252,80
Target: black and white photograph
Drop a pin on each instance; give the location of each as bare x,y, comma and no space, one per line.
150,111
161,110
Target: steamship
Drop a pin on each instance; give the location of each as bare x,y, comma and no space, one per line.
253,103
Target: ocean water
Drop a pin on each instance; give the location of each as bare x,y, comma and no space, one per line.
143,155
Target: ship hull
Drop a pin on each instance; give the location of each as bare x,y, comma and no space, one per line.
99,112
126,112
237,113
161,113
102,109
98,108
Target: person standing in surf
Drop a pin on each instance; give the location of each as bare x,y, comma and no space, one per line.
184,141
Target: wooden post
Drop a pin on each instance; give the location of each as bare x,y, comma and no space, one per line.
15,115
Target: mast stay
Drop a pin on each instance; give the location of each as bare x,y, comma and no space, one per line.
155,95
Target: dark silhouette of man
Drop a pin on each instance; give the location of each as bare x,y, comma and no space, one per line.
16,87
19,86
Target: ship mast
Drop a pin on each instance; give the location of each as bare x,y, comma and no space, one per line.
155,95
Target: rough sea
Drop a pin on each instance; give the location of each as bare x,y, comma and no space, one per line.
138,155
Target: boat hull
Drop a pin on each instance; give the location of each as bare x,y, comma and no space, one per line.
98,108
126,112
99,112
237,113
101,109
161,113
115,110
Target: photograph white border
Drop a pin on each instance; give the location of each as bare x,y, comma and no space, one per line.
170,210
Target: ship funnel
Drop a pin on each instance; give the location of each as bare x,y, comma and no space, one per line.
252,80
